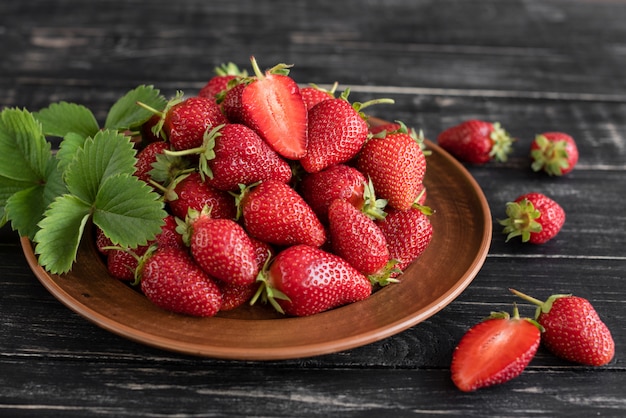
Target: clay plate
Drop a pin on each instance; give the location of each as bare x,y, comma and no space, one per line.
462,235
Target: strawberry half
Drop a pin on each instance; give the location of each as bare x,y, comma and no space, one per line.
273,106
573,329
494,351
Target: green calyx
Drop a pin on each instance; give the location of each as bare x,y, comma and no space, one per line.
230,68
542,306
157,129
278,69
516,317
502,143
266,293
550,156
521,220
359,106
383,277
372,207
206,151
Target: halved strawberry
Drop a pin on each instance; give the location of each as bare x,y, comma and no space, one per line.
494,351
273,106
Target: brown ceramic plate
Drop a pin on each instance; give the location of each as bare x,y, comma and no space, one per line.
462,235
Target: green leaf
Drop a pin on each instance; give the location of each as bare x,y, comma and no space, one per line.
108,153
24,151
26,205
60,234
127,114
71,143
129,211
61,118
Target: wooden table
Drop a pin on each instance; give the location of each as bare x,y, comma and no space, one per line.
533,65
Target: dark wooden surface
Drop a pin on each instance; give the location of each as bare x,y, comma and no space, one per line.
533,65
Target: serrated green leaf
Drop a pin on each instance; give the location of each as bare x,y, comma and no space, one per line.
61,118
24,151
107,153
128,211
126,114
71,143
25,208
60,233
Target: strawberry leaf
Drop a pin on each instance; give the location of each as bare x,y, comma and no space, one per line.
60,233
29,177
25,151
107,153
71,143
128,210
61,118
126,114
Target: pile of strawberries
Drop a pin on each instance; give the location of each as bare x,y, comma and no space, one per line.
275,192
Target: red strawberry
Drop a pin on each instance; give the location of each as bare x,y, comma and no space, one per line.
338,181
494,351
304,280
263,252
396,165
147,157
476,141
573,329
122,264
337,131
555,153
224,74
275,213
102,241
313,94
388,127
533,216
186,122
355,237
235,295
173,281
221,248
190,192
231,104
148,134
234,154
272,105
408,234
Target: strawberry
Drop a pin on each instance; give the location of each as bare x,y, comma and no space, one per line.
533,216
272,105
122,263
186,121
555,153
573,329
190,191
396,165
304,280
494,351
338,181
234,154
337,131
476,141
147,130
388,127
224,76
235,295
275,213
147,157
231,104
408,234
221,247
313,94
355,237
102,241
173,281
262,251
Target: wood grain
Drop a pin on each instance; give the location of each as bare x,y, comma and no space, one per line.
533,65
